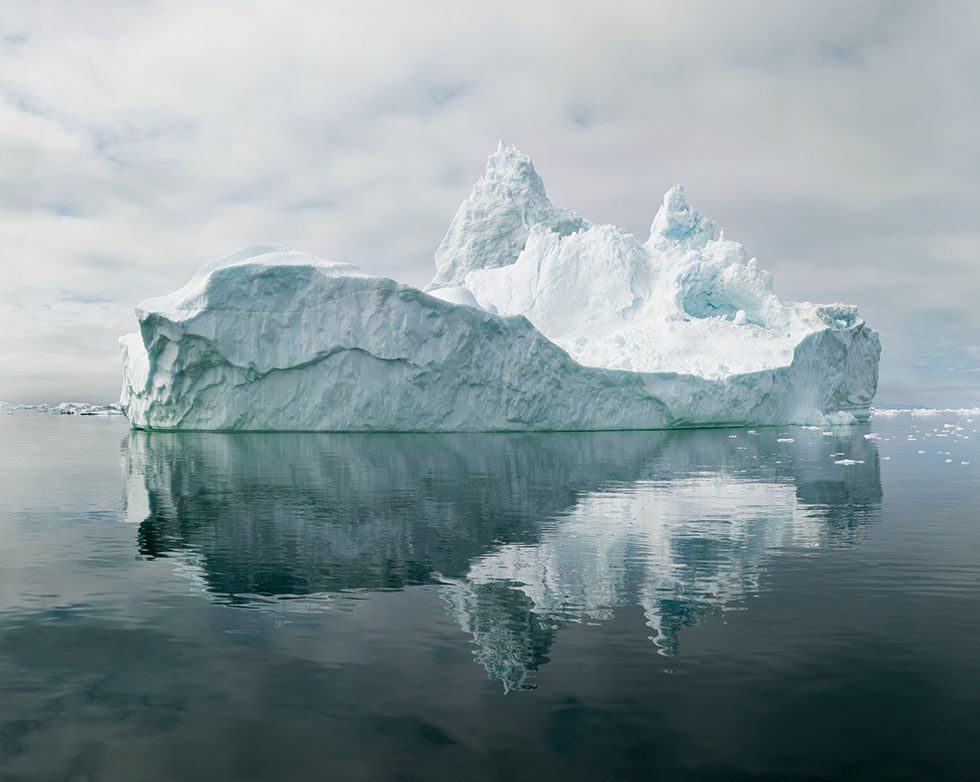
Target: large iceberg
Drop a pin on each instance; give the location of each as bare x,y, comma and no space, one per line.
535,319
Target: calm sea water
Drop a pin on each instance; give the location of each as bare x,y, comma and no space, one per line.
717,605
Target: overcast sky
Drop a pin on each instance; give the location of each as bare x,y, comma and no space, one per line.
840,142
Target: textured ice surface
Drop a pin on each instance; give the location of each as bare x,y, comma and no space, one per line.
535,319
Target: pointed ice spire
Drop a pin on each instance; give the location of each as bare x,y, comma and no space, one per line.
512,169
678,220
491,226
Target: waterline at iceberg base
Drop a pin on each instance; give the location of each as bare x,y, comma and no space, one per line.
536,319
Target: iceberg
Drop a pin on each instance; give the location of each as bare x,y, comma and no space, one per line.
536,319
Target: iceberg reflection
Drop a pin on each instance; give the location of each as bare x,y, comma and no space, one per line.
523,533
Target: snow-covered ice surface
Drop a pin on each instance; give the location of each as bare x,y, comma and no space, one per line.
681,302
535,319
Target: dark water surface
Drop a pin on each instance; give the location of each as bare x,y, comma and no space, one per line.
718,605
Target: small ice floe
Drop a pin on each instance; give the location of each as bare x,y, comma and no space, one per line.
920,451
752,431
886,458
785,440
872,436
964,463
949,461
837,454
849,462
911,437
827,434
811,428
733,437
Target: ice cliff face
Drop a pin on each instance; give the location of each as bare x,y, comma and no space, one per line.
535,319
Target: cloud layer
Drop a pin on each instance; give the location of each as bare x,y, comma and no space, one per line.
835,140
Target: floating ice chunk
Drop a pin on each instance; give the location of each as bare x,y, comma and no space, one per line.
849,462
785,440
840,418
924,412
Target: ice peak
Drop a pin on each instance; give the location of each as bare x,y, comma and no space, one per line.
510,169
491,227
678,220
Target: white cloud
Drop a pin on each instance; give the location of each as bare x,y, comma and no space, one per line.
836,140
